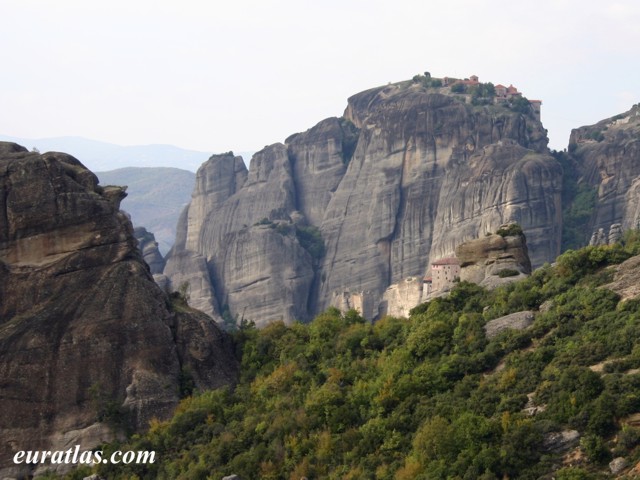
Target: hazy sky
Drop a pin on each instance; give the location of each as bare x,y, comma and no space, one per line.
217,76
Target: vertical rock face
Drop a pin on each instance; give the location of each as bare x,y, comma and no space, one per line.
82,324
149,247
319,158
406,175
400,298
240,232
428,173
608,155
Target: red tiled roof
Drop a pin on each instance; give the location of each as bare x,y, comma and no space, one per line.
446,261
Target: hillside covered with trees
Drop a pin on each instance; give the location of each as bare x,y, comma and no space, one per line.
429,396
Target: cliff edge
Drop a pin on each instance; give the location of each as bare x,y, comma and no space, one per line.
89,344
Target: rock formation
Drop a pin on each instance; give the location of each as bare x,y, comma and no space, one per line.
87,341
600,238
625,279
403,177
361,302
149,249
513,321
400,298
608,158
494,259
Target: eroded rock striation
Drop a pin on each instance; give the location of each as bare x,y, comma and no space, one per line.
608,158
149,248
494,259
87,340
400,180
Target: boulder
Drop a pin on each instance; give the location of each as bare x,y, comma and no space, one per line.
513,321
617,465
557,442
494,259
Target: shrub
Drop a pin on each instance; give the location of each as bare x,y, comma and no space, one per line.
310,239
521,105
510,230
596,135
508,272
283,228
595,448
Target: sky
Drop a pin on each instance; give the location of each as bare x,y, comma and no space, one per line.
218,76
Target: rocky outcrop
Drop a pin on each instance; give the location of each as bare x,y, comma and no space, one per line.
239,233
625,279
599,237
494,259
428,173
608,158
617,465
406,175
361,302
87,340
400,298
557,442
513,321
149,247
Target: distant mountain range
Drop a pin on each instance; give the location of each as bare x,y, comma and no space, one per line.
101,156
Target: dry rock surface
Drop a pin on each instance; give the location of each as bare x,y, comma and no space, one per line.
513,321
149,248
398,182
561,441
617,465
83,326
608,157
625,279
486,260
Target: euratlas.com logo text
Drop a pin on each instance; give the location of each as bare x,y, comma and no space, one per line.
76,457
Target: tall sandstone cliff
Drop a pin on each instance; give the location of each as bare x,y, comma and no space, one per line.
402,178
85,333
607,156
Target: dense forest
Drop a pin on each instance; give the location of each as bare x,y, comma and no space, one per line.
424,397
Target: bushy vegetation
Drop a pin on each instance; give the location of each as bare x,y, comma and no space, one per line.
513,229
458,88
520,105
349,139
311,240
596,135
482,94
579,202
421,398
508,272
427,80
